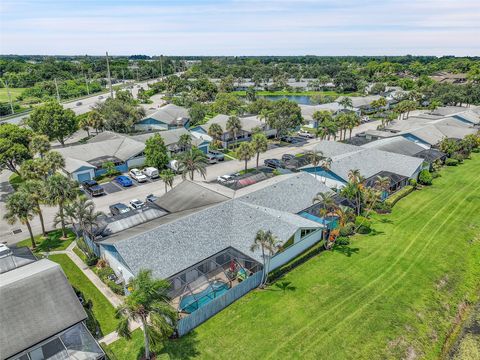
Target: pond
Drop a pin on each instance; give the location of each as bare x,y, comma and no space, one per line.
299,99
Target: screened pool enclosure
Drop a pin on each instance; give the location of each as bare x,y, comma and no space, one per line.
200,284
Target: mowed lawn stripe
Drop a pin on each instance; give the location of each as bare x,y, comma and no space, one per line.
335,312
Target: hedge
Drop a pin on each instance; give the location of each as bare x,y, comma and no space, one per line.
393,199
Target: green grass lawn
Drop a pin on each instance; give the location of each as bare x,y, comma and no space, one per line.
14,92
80,254
391,294
103,311
51,243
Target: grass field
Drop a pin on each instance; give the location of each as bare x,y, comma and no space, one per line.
52,242
103,311
14,92
392,294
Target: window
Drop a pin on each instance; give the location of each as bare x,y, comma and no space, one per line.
306,232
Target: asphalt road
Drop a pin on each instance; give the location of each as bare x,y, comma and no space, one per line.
142,190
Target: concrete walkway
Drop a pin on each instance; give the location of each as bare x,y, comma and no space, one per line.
113,298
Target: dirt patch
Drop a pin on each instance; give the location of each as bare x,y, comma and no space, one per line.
442,282
411,354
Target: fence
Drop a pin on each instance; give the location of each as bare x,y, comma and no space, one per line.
190,322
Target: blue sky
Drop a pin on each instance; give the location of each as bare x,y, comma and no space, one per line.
241,27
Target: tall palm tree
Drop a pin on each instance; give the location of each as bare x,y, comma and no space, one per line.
54,161
259,144
326,165
322,118
342,122
328,205
84,124
184,142
36,189
34,169
315,157
39,144
269,244
234,126
192,161
21,207
60,190
167,176
96,120
81,213
216,132
245,152
353,121
346,102
148,304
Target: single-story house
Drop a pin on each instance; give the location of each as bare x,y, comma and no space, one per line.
172,137
41,315
362,102
203,241
167,117
248,125
369,162
334,108
431,135
85,161
396,144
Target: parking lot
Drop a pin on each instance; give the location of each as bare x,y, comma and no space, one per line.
113,187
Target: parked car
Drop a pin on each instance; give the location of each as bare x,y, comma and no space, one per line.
137,175
92,187
124,181
212,159
218,154
286,157
225,178
151,172
288,139
273,163
100,97
78,103
151,198
137,204
305,134
119,208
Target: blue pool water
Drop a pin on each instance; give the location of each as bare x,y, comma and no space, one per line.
299,99
190,303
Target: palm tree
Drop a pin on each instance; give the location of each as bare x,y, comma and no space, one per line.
81,212
322,118
268,243
84,124
353,121
167,177
96,120
184,142
148,304
34,169
259,144
192,161
21,207
60,190
216,132
36,189
54,161
326,165
346,102
245,152
353,190
342,122
314,157
39,144
382,183
234,125
328,205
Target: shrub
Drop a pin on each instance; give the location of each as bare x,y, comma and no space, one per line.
116,288
92,260
435,174
383,208
476,150
105,272
425,178
347,229
451,162
413,183
343,240
393,199
363,225
459,157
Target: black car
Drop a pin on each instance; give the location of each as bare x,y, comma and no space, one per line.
117,209
286,157
92,187
273,163
288,139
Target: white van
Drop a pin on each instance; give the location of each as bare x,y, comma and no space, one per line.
151,172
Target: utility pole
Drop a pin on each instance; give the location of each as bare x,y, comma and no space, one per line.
56,88
109,77
161,65
9,96
86,81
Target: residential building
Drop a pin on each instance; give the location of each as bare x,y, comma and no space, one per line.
40,314
167,117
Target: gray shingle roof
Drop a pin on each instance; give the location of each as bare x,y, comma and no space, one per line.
398,145
248,122
291,193
37,302
170,137
190,239
170,114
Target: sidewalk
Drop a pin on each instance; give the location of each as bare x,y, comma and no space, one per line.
113,298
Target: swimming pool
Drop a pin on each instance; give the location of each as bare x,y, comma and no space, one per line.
190,303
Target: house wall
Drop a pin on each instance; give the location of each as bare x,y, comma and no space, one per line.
136,162
299,246
78,175
116,262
